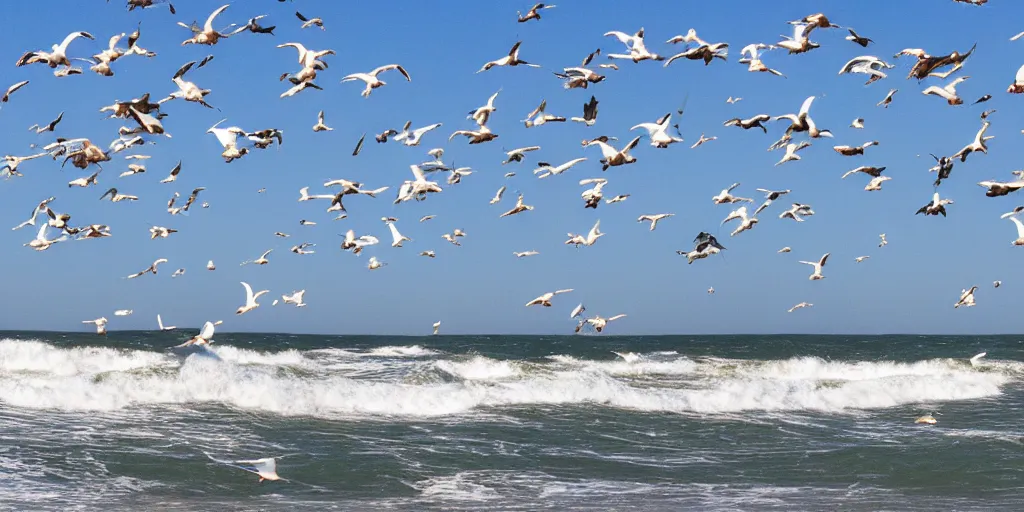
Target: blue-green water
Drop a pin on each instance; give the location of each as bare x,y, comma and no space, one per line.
512,423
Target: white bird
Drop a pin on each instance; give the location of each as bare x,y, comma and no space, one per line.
437,327
518,208
947,92
304,195
996,284
538,116
266,468
629,357
56,57
210,265
262,260
966,298
100,323
228,138
749,123
784,249
84,182
295,298
207,35
887,99
590,239
725,196
160,324
876,183
161,232
745,221
525,254
816,275
857,123
791,150
702,140
429,254
179,272
802,121
654,218
10,90
882,241
149,270
577,311
545,169
396,237
418,188
1001,188
512,59
532,14
320,126
868,65
635,44
658,131
412,138
854,150
859,259
372,82
356,244
799,306
374,263
599,323
613,157
517,155
250,299
751,57
205,336
497,196
482,114
797,212
545,300
123,312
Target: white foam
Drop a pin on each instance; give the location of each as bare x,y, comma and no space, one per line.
36,356
480,368
236,355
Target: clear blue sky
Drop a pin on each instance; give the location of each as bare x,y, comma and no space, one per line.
908,286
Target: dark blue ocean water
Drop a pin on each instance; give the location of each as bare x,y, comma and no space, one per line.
511,422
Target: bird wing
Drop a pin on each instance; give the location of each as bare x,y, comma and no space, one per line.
264,255
616,317
159,322
805,108
207,332
1020,227
821,262
208,26
248,293
623,38
72,36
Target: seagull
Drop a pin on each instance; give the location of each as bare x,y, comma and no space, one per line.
228,138
865,169
966,298
532,14
396,237
179,272
590,239
210,265
437,327
888,98
769,196
725,196
482,114
996,284
653,219
100,323
450,238
372,82
859,259
598,323
206,35
580,77
797,212
496,198
791,150
518,208
927,64
320,126
429,254
745,221
309,22
979,143
149,270
876,183
49,127
592,196
1016,87
613,157
936,206
10,164
545,169
174,173
882,241
301,248
751,57
84,182
982,99
635,44
816,275
538,117
711,290
802,122
732,100
658,131
262,260
799,306
160,324
266,468
948,92
752,122
253,26
617,199
295,298
525,254
784,249
858,39
702,140
133,169
1016,211
867,65
250,299
10,90
854,150
589,113
160,231
545,300
799,42
304,195
483,134
412,138
374,263
517,155
512,59
123,312
56,57
998,188
356,244
577,311
857,123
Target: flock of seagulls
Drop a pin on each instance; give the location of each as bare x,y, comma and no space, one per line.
144,118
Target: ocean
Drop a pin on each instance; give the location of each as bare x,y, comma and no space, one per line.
508,423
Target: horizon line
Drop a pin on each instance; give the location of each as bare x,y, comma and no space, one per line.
602,335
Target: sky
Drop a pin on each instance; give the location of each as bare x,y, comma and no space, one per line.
909,286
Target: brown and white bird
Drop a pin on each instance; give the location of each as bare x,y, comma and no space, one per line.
887,99
533,13
116,197
57,56
545,300
309,22
978,144
512,59
854,150
207,34
371,80
320,126
518,208
653,219
816,275
149,270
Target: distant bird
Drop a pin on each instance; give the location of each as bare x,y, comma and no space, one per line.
797,212
752,122
966,298
996,284
49,127
518,208
858,39
746,222
784,249
857,123
262,260
512,59
309,22
160,232
999,188
10,90
876,183
816,275
437,327
882,241
538,116
173,174
854,150
265,469
711,290
726,197
702,140
791,150
496,198
533,13
525,254
517,155
160,324
867,65
295,298
372,82
653,219
149,270
658,131
397,238
375,264
359,145
320,126
577,311
429,254
1020,231
545,169
800,306
56,57
947,92
982,99
859,259
888,98
751,57
769,196
598,323
205,35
